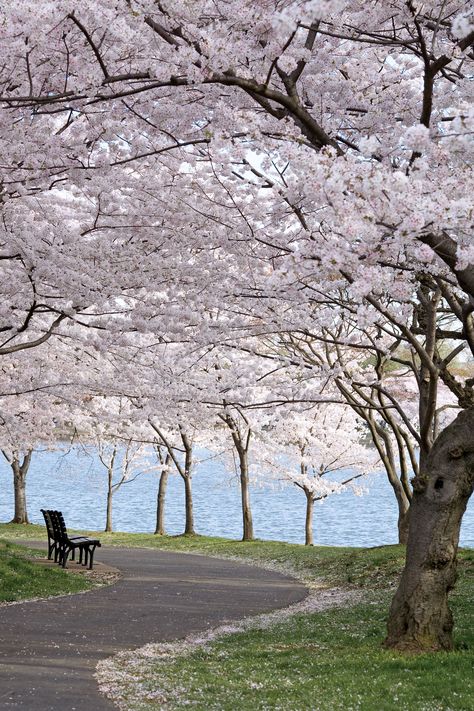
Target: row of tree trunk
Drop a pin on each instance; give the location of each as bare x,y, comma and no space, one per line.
20,465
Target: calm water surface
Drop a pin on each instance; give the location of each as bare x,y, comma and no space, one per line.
77,485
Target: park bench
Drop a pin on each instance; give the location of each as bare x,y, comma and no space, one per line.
60,544
55,539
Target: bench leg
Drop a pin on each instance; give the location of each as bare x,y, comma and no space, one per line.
65,556
91,556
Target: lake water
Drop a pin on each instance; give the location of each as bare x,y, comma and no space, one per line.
77,485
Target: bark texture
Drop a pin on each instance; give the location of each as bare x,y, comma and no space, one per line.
247,521
187,475
420,619
309,518
108,514
241,439
188,499
403,523
161,497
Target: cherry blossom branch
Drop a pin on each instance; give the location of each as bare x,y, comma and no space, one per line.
5,350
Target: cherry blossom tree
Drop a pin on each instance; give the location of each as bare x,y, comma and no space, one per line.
123,463
321,452
270,163
379,374
30,422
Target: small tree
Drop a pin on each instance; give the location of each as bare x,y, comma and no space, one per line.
311,451
30,422
120,462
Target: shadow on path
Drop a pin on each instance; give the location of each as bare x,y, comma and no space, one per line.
49,649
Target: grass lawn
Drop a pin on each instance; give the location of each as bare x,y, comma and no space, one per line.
328,661
22,579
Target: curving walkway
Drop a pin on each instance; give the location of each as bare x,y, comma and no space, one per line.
49,649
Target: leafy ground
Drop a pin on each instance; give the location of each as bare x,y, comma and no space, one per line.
328,661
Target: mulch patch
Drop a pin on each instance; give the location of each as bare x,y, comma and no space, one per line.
101,574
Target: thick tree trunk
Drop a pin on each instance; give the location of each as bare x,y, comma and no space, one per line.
247,522
108,516
309,518
188,495
161,497
20,470
420,619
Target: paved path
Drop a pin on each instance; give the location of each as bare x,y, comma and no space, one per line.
49,649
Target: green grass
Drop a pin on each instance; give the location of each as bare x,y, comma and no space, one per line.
22,579
330,661
374,567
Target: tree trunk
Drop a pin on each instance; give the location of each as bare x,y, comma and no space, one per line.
247,529
309,518
188,494
160,499
20,470
420,619
383,444
403,523
108,517
241,442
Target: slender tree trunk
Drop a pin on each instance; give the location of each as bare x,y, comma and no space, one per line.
185,473
108,518
187,477
403,523
241,440
384,447
383,444
403,502
188,496
420,619
20,470
247,530
160,499
309,518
